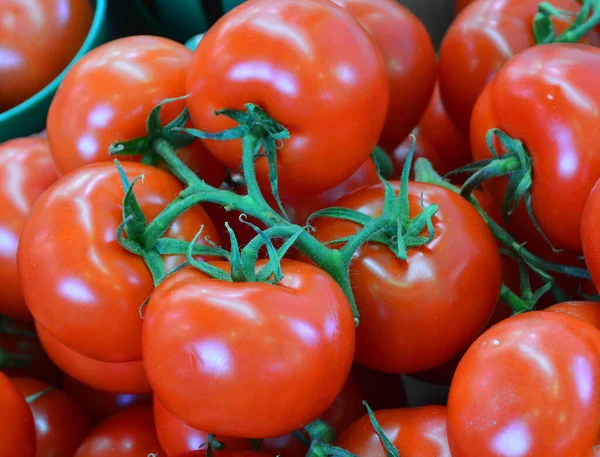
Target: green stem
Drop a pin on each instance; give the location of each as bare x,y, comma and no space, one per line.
169,155
31,398
516,303
499,167
155,264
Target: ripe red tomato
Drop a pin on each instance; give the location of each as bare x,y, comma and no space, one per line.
590,239
520,383
346,408
414,432
419,313
585,310
177,438
435,125
16,422
61,425
480,42
129,433
39,38
88,295
99,404
203,453
107,95
410,61
548,89
120,377
423,148
461,5
310,67
26,171
301,207
27,343
276,360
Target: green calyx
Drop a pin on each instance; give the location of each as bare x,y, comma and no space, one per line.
582,22
516,165
526,260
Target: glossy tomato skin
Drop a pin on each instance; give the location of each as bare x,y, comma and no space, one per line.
411,318
346,408
107,95
503,396
61,425
300,208
587,311
16,422
590,240
26,171
88,296
479,42
317,72
437,127
409,58
99,404
116,377
129,433
423,148
39,38
177,438
416,432
244,381
548,89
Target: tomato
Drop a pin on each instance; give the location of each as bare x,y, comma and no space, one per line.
176,437
504,396
203,453
419,313
276,360
82,287
26,171
201,162
462,4
479,42
107,95
121,377
300,208
16,422
129,433
548,89
310,67
99,404
414,431
39,39
439,130
380,390
61,425
423,148
585,310
20,338
589,237
346,408
409,58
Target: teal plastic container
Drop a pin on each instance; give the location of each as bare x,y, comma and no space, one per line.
29,117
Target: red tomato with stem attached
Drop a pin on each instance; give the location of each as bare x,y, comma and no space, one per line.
107,96
480,41
61,425
503,398
26,171
129,433
423,148
99,404
39,39
16,422
277,359
177,438
438,129
202,163
545,89
88,296
313,69
415,432
420,313
116,377
409,58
